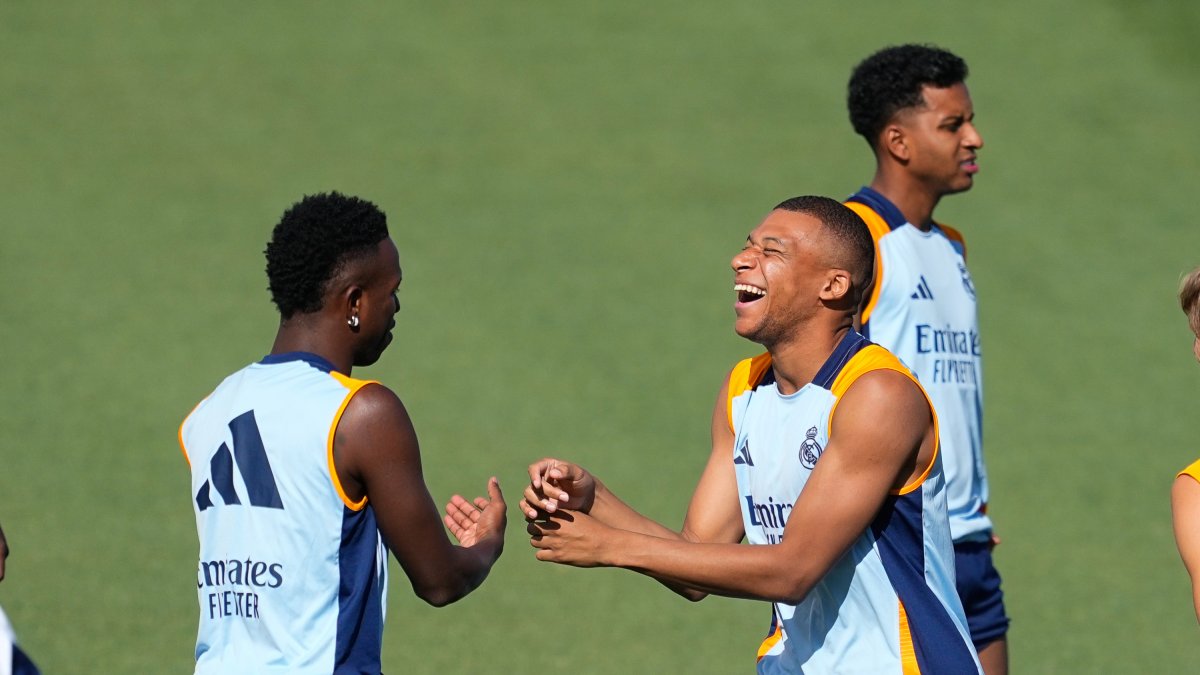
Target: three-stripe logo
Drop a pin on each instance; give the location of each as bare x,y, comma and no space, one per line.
251,459
923,292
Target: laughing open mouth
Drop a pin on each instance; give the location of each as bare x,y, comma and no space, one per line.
748,293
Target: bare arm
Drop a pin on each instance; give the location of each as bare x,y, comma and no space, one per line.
881,433
377,456
1185,512
713,514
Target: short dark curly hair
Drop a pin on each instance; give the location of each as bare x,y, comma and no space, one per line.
891,79
856,248
312,243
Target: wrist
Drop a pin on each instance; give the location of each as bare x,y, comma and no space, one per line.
615,553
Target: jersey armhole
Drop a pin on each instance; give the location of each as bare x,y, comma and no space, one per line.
354,386
1192,471
889,362
179,436
937,443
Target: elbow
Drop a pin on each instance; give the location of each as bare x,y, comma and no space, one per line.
439,596
793,590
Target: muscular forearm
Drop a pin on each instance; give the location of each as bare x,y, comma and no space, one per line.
466,570
693,570
610,510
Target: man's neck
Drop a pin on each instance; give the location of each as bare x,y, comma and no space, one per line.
798,361
913,200
294,335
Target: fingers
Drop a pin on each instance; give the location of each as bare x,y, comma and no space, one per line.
460,516
549,469
535,503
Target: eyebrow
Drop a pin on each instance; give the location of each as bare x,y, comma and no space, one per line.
776,240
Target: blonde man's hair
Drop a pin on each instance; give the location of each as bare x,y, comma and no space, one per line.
1189,299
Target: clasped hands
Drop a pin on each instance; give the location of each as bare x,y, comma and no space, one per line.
557,505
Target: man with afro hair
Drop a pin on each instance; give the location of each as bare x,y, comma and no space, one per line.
911,104
304,477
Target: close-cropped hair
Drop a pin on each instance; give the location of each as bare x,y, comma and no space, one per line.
1189,299
313,241
854,248
891,79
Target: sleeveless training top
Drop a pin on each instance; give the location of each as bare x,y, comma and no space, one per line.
922,309
292,575
889,604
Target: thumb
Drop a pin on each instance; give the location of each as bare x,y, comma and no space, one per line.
494,490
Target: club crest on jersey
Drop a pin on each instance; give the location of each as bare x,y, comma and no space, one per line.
968,285
810,449
743,454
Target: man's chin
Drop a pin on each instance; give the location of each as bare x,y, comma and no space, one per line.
373,356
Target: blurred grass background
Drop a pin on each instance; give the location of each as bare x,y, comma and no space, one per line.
566,183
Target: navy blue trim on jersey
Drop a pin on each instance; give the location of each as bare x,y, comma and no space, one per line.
359,642
308,357
22,664
850,345
768,377
881,205
898,530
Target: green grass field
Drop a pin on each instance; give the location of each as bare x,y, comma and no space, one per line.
566,183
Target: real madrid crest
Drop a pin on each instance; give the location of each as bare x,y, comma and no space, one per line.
810,449
968,285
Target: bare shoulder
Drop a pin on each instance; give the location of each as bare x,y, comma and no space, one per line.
374,437
1185,491
883,411
374,408
878,391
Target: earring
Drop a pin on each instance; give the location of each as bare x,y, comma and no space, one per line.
352,321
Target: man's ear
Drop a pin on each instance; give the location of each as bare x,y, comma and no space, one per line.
894,141
351,300
836,290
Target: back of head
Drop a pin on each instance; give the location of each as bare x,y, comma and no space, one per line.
313,242
1189,299
891,80
850,245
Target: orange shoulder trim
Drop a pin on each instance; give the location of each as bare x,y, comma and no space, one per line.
179,434
954,235
872,358
354,386
878,227
1192,470
744,376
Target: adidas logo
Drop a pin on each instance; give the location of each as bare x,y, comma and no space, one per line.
923,292
251,461
743,454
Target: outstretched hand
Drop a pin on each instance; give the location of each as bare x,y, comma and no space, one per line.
472,522
556,484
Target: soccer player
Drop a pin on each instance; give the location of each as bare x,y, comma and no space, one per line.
298,468
912,106
824,457
1185,493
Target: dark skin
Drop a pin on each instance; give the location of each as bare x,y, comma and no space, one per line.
881,440
3,553
375,450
